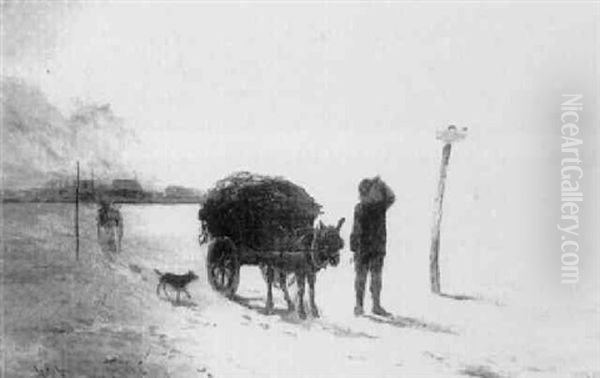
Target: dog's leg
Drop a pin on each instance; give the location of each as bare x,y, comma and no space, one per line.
269,304
312,277
158,288
178,291
186,293
301,279
286,294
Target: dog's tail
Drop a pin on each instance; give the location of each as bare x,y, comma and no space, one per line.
158,272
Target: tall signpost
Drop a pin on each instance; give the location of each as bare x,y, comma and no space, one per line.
448,136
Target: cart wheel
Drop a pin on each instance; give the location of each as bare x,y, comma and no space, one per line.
223,267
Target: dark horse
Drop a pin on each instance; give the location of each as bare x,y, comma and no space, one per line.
323,248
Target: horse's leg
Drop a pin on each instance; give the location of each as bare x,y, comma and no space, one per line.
286,293
311,292
269,304
115,240
109,240
301,279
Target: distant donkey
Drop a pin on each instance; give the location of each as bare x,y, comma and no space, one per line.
322,246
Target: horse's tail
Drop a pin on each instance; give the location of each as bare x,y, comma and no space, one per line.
158,272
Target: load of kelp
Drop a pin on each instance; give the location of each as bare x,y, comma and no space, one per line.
256,210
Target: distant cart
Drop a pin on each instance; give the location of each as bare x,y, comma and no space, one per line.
256,220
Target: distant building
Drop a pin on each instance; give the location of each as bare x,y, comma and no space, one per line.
126,184
127,188
57,184
181,194
86,189
179,191
11,195
86,186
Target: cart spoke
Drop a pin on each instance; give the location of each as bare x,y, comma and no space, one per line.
229,275
222,277
215,272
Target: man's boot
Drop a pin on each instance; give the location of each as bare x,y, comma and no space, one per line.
376,294
359,310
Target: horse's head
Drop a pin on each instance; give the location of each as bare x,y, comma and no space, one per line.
327,244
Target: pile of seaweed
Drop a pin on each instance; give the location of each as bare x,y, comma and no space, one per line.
257,211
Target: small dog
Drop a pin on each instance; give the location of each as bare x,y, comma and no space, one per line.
176,281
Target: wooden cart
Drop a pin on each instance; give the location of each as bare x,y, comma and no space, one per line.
251,219
224,259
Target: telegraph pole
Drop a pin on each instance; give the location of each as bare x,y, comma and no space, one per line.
77,215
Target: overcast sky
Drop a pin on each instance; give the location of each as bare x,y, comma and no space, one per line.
211,88
307,90
328,94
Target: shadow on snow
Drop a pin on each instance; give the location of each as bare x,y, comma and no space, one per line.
459,297
406,322
292,318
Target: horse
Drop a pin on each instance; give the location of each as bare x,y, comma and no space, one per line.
323,250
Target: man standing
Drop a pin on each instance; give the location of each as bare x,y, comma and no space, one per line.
110,226
368,240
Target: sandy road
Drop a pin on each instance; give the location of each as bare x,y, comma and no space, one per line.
102,319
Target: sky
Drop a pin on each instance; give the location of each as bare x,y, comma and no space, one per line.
214,87
328,93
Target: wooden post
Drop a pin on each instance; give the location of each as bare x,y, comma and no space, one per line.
434,268
77,215
448,136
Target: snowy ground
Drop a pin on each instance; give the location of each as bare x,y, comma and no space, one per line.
95,318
